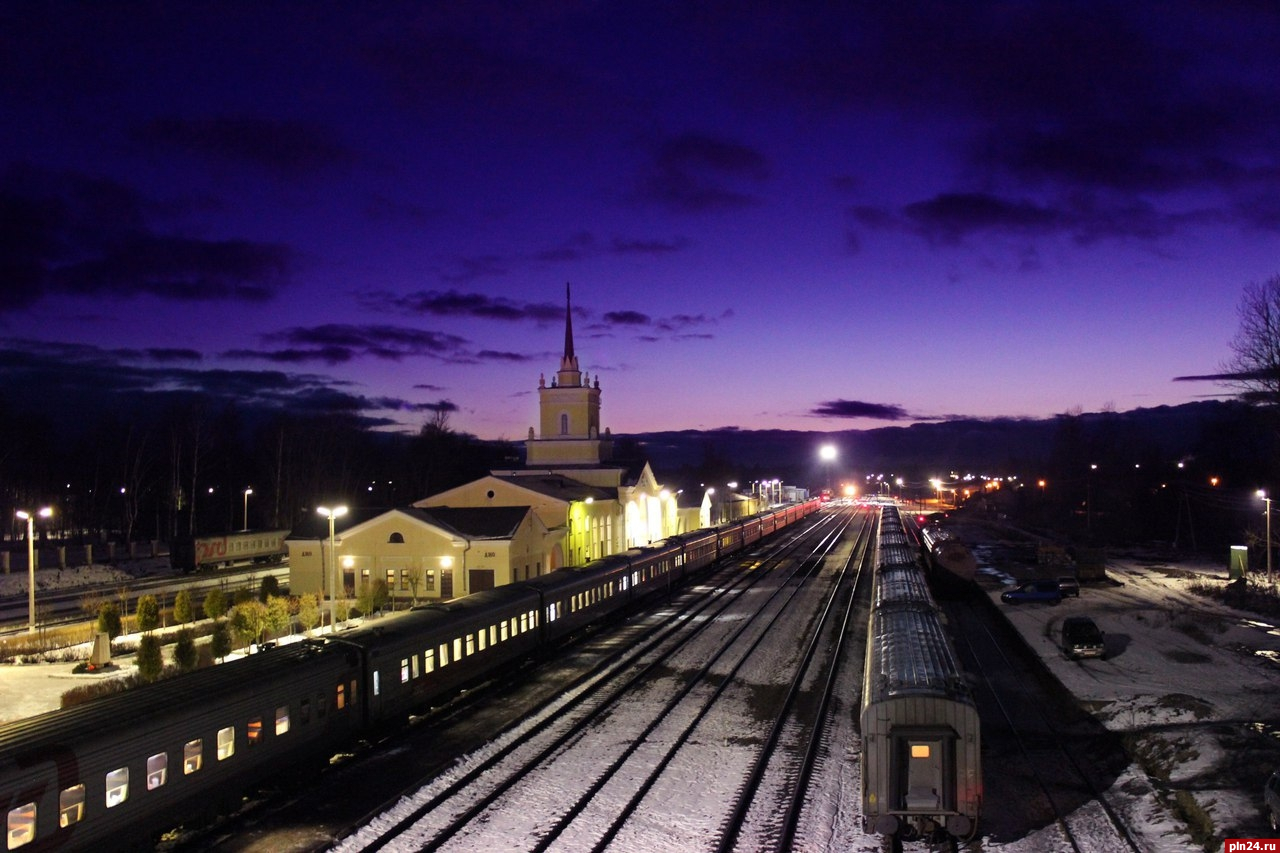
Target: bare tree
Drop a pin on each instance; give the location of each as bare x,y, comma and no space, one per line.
1255,366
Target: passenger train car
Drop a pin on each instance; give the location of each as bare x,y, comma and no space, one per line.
110,773
921,735
951,560
197,553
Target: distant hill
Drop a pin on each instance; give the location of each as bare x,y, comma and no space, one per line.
996,446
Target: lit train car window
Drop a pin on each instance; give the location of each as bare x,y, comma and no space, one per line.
282,720
71,806
341,700
470,640
117,787
255,731
404,670
413,667
524,623
192,756
429,660
481,636
157,770
444,654
226,743
377,683
22,825
493,635
457,648
502,630
553,611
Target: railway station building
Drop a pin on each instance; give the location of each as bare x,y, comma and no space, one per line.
571,502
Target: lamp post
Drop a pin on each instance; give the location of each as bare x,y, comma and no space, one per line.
332,514
247,492
1262,494
30,518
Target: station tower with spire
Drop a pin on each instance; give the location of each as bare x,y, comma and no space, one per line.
569,414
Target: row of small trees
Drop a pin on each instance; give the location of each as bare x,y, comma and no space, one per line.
246,618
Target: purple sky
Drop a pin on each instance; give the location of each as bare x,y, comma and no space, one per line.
769,220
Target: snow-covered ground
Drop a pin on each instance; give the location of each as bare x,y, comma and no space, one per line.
1192,683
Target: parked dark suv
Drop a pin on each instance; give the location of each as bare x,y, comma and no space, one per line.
1081,638
1069,586
1046,592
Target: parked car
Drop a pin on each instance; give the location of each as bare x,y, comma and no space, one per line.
1271,798
1081,638
1068,585
1045,592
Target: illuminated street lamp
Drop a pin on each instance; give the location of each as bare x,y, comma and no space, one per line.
1262,494
30,519
828,453
247,492
332,514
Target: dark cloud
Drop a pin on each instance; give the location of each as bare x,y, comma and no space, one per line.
395,404
950,218
1242,376
388,343
77,383
627,318
62,232
452,303
697,173
859,409
502,356
160,355
285,148
338,343
621,246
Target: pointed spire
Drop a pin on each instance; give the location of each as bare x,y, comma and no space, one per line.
568,326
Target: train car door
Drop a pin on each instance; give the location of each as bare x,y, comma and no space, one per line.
924,780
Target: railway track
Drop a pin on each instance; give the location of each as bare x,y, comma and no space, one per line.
797,742
550,782
1058,783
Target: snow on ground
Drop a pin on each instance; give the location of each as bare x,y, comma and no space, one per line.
14,584
1184,677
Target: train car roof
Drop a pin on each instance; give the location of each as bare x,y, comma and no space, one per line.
132,708
899,553
910,655
901,584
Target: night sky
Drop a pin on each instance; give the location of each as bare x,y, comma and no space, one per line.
770,218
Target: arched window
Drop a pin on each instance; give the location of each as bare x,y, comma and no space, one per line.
564,424
396,539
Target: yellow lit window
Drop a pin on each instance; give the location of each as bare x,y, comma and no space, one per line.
117,787
71,806
22,825
192,756
226,743
919,750
157,770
